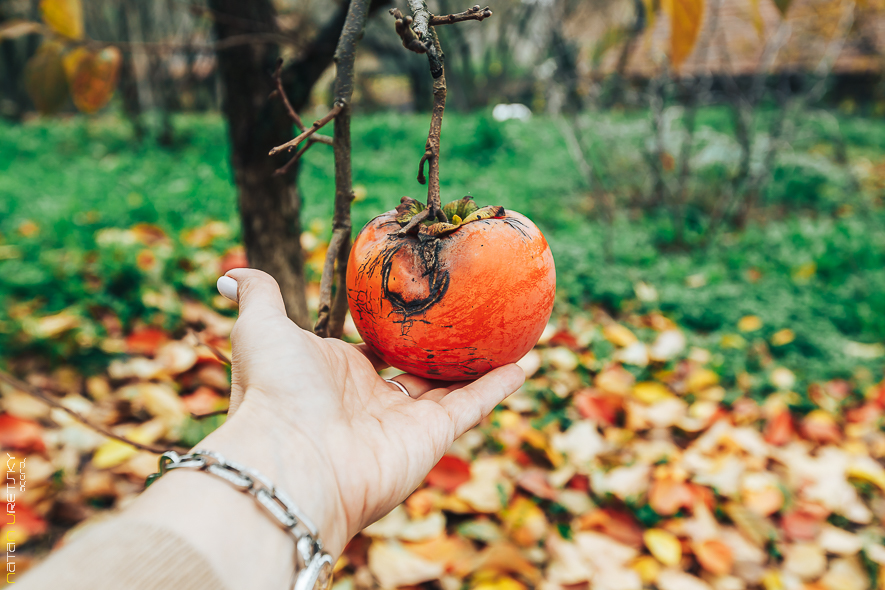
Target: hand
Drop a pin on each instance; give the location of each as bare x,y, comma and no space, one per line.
347,446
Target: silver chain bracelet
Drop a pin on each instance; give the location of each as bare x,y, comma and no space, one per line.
314,565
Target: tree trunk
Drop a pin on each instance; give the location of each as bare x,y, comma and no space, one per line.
269,204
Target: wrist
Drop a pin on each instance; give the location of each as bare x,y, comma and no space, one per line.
256,438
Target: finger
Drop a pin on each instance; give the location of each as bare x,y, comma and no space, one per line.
256,290
470,404
377,363
436,395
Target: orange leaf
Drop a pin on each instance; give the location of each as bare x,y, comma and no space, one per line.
27,524
779,428
714,556
203,400
45,78
801,525
685,19
20,434
621,526
65,17
820,427
449,473
145,341
667,496
95,79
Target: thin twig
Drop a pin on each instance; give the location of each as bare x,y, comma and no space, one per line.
218,354
209,414
472,13
281,92
312,140
45,398
331,313
317,125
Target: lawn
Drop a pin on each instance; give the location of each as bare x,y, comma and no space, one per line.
813,262
696,417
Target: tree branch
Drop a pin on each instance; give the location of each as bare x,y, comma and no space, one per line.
330,318
472,13
40,395
317,125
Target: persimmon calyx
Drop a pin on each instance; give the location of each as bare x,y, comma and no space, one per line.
457,212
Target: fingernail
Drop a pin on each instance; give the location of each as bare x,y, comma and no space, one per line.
227,287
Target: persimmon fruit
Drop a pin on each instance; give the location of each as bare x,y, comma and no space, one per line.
456,299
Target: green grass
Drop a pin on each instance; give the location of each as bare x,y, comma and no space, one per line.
815,263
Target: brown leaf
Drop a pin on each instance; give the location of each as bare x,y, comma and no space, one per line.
668,495
95,79
779,428
45,78
65,17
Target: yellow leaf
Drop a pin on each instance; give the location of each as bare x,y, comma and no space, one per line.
54,325
756,16
65,17
749,323
700,379
619,335
867,469
72,60
735,341
648,569
95,79
772,581
685,24
664,546
499,584
782,337
805,272
112,453
651,392
45,78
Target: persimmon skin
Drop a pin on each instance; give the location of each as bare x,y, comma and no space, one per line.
455,307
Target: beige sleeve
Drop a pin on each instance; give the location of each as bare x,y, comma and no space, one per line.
121,554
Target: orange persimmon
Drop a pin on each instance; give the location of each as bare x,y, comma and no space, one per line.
456,300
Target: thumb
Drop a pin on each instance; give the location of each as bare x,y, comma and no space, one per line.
252,289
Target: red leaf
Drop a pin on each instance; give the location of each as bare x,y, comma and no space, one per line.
779,428
867,413
535,482
27,523
600,407
203,400
146,341
234,259
20,434
449,473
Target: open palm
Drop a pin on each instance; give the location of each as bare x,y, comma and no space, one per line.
369,444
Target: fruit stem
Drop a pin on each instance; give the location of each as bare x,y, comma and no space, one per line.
418,35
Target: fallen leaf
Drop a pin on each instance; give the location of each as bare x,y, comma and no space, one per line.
393,565
619,335
714,556
749,323
667,346
805,560
19,434
664,546
671,579
845,573
449,473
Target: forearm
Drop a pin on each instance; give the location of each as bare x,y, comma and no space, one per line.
245,545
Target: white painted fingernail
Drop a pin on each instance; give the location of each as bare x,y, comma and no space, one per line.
227,287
